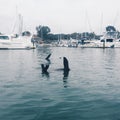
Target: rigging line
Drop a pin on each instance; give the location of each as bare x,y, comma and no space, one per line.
20,23
88,21
116,17
101,25
15,22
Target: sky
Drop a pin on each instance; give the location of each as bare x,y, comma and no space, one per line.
61,16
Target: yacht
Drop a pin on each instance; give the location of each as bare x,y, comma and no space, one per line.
108,40
11,42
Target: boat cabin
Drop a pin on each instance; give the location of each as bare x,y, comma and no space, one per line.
4,37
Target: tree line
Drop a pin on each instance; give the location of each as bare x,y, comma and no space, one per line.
44,32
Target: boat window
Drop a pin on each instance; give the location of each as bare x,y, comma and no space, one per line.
4,37
102,40
109,40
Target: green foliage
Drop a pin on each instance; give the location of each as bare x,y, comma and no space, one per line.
110,29
42,31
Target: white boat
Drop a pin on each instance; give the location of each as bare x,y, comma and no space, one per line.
98,44
62,43
22,42
108,40
73,43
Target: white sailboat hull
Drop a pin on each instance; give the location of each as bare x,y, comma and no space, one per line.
17,43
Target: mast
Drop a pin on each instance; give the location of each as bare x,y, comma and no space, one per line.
88,21
101,25
20,24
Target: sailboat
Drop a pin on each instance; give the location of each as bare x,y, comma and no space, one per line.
16,41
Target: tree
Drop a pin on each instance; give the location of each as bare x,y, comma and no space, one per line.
75,35
92,35
42,31
110,29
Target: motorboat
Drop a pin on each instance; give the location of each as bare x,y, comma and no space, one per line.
108,40
21,42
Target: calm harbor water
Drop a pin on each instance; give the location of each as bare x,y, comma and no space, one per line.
90,92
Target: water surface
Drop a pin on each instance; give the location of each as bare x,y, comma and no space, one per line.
91,91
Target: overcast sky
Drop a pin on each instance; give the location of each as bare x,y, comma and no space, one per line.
62,16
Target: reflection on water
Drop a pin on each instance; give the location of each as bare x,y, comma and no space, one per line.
91,90
65,74
46,74
65,77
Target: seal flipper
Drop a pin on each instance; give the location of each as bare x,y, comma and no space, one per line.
47,58
44,68
66,64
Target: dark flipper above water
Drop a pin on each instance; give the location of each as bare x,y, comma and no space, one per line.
44,68
66,64
47,58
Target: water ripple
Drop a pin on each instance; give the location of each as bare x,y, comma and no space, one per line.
90,92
